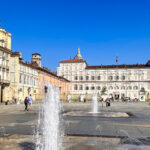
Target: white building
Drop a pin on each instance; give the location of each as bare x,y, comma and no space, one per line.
115,81
24,78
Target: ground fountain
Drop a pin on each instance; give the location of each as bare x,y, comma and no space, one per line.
94,103
49,136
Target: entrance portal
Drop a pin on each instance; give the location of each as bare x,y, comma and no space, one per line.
116,96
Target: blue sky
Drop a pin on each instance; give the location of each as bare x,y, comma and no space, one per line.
103,29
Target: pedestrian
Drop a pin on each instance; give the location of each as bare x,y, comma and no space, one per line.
109,102
80,98
15,100
69,98
84,100
106,102
26,103
102,102
30,99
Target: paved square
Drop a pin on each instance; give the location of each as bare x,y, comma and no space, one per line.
18,128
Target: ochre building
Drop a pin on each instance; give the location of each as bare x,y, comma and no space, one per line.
45,77
5,52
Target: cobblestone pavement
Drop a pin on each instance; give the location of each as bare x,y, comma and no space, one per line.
17,128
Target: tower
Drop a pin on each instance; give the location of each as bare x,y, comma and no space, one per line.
36,58
78,56
5,39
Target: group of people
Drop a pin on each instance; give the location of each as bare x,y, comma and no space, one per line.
28,103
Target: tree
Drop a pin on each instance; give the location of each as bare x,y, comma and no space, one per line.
103,92
142,91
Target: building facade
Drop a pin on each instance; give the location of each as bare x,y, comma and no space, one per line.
24,78
19,79
5,52
110,81
45,77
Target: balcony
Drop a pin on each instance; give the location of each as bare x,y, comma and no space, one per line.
5,82
4,66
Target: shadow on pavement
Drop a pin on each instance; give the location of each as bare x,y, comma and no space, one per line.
27,146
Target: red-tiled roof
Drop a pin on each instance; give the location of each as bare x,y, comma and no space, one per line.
117,66
51,73
73,61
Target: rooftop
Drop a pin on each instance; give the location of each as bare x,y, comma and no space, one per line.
36,54
73,61
118,66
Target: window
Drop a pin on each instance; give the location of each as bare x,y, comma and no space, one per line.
20,78
81,77
76,78
135,87
98,88
110,77
24,79
87,77
92,88
117,77
75,87
98,77
110,88
81,87
123,77
92,78
129,88
117,87
123,88
87,88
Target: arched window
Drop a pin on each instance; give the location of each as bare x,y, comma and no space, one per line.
117,87
110,88
98,88
135,87
117,77
87,88
123,88
92,88
110,77
129,88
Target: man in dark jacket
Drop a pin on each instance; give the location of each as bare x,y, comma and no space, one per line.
26,101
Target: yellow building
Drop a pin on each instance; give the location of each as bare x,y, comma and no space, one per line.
19,79
5,52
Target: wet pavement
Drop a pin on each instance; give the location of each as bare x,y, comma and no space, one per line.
18,128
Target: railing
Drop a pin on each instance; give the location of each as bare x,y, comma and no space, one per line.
4,81
4,66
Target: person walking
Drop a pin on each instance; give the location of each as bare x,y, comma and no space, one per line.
26,103
84,100
30,99
69,98
106,102
102,102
